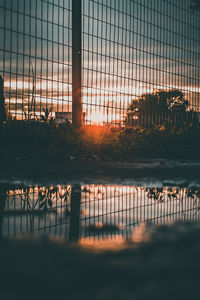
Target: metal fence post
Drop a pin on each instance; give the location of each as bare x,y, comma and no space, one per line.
74,232
3,193
2,101
76,64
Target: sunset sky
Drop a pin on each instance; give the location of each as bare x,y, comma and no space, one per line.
128,48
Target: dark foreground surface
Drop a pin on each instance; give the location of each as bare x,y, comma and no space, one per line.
99,171
100,231
164,265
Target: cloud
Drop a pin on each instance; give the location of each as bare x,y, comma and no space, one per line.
129,49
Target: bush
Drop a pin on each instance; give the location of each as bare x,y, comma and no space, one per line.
39,140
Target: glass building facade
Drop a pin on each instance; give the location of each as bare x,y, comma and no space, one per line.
129,48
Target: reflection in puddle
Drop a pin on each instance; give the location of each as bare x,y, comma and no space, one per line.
93,213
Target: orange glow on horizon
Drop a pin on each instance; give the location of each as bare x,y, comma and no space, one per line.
100,105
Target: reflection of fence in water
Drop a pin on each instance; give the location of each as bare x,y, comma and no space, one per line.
128,206
103,210
35,209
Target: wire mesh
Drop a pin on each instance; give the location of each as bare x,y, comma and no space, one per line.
129,48
94,211
136,47
36,56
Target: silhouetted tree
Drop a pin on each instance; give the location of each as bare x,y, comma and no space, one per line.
160,101
157,103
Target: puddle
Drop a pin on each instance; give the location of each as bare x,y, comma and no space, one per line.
90,213
90,241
